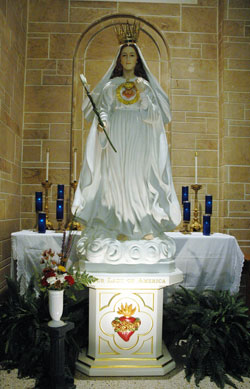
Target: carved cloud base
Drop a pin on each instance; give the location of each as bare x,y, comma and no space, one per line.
96,247
125,326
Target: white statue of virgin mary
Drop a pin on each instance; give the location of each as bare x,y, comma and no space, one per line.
128,193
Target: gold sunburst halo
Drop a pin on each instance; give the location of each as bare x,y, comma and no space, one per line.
127,311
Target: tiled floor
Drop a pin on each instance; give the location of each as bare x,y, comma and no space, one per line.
173,380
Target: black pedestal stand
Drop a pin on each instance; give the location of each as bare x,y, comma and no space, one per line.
58,378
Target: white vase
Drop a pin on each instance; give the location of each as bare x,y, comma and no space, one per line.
56,308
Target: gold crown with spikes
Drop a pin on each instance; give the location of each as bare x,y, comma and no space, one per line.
127,33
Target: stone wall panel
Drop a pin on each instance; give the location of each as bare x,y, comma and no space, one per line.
48,99
237,81
233,28
37,48
177,39
194,69
47,117
199,19
236,50
33,77
88,15
62,46
165,23
237,151
149,9
206,88
47,10
239,14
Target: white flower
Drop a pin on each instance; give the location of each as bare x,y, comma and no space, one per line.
51,280
61,277
83,79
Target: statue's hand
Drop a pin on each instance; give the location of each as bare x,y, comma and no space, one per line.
99,127
139,84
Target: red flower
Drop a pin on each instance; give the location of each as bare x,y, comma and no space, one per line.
49,273
48,253
70,280
44,282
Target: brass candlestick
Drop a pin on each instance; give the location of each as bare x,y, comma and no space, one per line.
73,225
46,184
59,226
185,228
74,186
36,225
196,225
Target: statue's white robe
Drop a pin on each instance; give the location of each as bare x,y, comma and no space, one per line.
130,192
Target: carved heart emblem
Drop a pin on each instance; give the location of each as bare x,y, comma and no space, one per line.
128,93
126,325
125,335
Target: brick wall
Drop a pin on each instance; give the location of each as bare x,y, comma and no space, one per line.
13,20
208,46
235,126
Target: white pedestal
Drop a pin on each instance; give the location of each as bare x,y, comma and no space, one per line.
127,344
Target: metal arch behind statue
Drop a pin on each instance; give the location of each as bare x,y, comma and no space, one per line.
84,82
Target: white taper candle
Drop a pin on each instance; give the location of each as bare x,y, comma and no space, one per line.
196,167
75,159
47,164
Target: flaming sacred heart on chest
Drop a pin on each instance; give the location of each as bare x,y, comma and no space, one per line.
126,325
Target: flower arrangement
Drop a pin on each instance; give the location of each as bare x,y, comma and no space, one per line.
55,275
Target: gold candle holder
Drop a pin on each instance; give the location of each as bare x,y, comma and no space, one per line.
185,228
196,225
73,225
46,184
74,186
59,226
36,224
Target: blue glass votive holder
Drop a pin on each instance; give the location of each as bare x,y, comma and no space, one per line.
184,193
41,222
206,224
59,210
208,204
60,192
39,201
186,211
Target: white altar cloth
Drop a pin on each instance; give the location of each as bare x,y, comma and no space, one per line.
208,262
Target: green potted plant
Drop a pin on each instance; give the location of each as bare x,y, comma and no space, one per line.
211,331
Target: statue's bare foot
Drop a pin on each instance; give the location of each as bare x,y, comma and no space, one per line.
148,236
